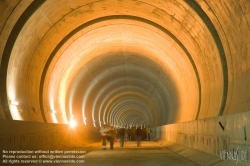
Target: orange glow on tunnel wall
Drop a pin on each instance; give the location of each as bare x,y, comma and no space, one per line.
78,63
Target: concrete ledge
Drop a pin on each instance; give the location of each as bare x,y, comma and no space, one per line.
218,136
24,135
197,156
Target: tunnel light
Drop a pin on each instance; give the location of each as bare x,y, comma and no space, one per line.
72,123
53,115
16,112
53,111
15,106
13,102
84,119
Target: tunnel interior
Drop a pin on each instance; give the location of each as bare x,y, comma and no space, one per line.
179,66
123,62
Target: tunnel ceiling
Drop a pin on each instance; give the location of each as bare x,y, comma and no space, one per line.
125,62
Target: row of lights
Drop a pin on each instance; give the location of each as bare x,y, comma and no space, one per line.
72,122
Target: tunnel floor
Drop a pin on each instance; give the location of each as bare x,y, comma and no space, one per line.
151,153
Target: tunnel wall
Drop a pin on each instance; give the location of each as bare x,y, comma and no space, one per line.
24,135
207,135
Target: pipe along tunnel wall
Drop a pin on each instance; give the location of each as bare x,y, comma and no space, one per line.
214,136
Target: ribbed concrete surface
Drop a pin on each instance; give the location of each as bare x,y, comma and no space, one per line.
154,62
126,62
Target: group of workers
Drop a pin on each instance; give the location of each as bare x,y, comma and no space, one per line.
135,133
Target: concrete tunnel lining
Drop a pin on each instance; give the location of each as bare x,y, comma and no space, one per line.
128,85
93,53
205,112
181,66
151,55
150,104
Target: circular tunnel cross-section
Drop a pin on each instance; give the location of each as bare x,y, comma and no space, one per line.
125,62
